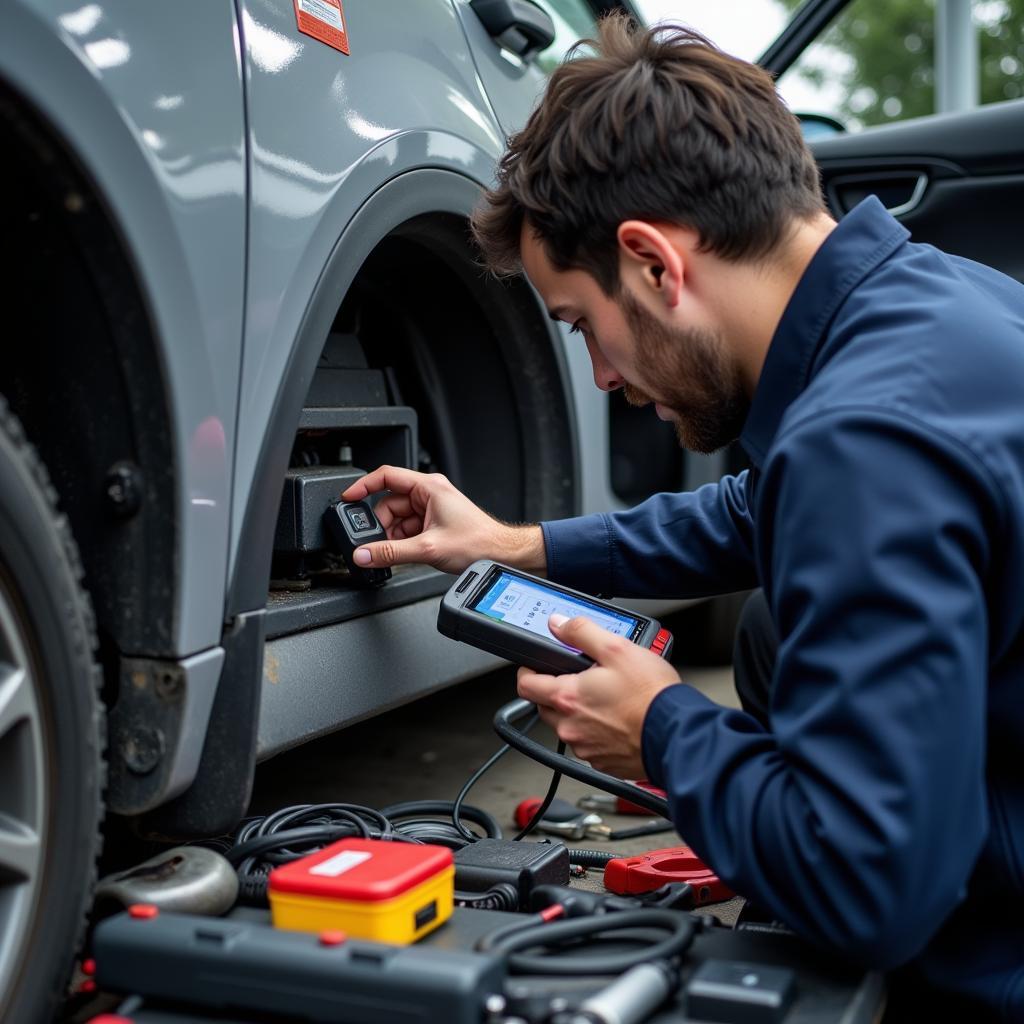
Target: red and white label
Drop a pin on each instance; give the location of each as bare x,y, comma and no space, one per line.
323,20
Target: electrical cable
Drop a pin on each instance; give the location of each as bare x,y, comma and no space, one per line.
677,932
593,858
504,727
549,796
501,896
470,783
263,843
430,830
475,778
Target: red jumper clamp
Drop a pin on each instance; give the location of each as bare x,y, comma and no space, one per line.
649,871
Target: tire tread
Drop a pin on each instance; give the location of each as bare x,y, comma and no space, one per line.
80,620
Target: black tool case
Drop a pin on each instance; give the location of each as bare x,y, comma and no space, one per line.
193,962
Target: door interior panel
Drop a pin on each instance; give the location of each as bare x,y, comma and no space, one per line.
955,180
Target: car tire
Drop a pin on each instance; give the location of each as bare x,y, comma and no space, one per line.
51,738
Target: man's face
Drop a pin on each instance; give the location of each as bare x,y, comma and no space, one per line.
686,371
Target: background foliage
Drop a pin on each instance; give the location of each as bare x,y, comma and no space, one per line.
880,54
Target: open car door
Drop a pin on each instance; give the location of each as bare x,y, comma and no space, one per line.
954,177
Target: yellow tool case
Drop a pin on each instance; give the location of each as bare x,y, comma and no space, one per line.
367,888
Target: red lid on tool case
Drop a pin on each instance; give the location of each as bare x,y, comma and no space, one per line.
361,869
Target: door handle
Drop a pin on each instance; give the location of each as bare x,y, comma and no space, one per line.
518,25
899,191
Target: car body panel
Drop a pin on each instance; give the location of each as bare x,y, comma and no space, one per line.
367,117
233,175
149,99
513,86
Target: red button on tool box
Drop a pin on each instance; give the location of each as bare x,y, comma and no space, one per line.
649,871
366,888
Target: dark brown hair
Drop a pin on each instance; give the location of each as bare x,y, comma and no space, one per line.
655,124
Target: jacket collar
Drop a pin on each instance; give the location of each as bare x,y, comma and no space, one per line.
865,237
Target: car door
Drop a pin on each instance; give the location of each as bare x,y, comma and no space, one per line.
954,178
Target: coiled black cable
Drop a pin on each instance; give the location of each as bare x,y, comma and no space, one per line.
640,927
263,843
292,832
407,819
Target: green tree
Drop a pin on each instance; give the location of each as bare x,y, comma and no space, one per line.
880,56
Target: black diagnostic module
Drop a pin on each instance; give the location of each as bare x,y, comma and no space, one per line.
505,611
350,524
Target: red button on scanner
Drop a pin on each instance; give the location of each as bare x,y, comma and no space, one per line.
143,911
661,641
332,937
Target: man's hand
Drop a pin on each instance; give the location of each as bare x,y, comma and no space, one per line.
600,712
429,521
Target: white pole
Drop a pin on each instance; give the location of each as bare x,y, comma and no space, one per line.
956,57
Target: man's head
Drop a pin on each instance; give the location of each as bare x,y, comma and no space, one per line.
649,162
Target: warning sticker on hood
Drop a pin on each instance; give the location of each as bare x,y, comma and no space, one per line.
323,20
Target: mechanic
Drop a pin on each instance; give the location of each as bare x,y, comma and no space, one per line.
662,201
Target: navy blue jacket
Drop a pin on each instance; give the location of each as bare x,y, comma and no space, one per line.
883,813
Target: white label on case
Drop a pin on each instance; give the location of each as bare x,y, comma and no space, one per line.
340,863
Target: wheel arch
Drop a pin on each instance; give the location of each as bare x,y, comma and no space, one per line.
404,203
83,373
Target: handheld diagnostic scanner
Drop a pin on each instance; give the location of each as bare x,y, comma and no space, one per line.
350,524
505,611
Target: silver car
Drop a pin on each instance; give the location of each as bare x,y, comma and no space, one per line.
237,273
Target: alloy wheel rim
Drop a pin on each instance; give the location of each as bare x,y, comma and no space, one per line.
22,790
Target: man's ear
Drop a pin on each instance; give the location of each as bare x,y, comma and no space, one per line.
647,249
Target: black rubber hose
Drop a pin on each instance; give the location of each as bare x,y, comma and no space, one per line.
517,709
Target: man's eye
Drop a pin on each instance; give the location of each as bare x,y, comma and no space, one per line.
575,328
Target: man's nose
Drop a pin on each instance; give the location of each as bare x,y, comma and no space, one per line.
605,375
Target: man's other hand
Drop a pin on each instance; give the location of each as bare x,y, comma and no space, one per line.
428,521
600,712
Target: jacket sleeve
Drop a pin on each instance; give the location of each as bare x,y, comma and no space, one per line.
673,545
858,818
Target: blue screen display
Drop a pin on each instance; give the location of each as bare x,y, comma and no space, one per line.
528,605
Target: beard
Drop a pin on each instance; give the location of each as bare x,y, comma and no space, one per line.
696,381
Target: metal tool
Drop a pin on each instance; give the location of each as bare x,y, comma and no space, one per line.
187,879
562,819
617,804
629,999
